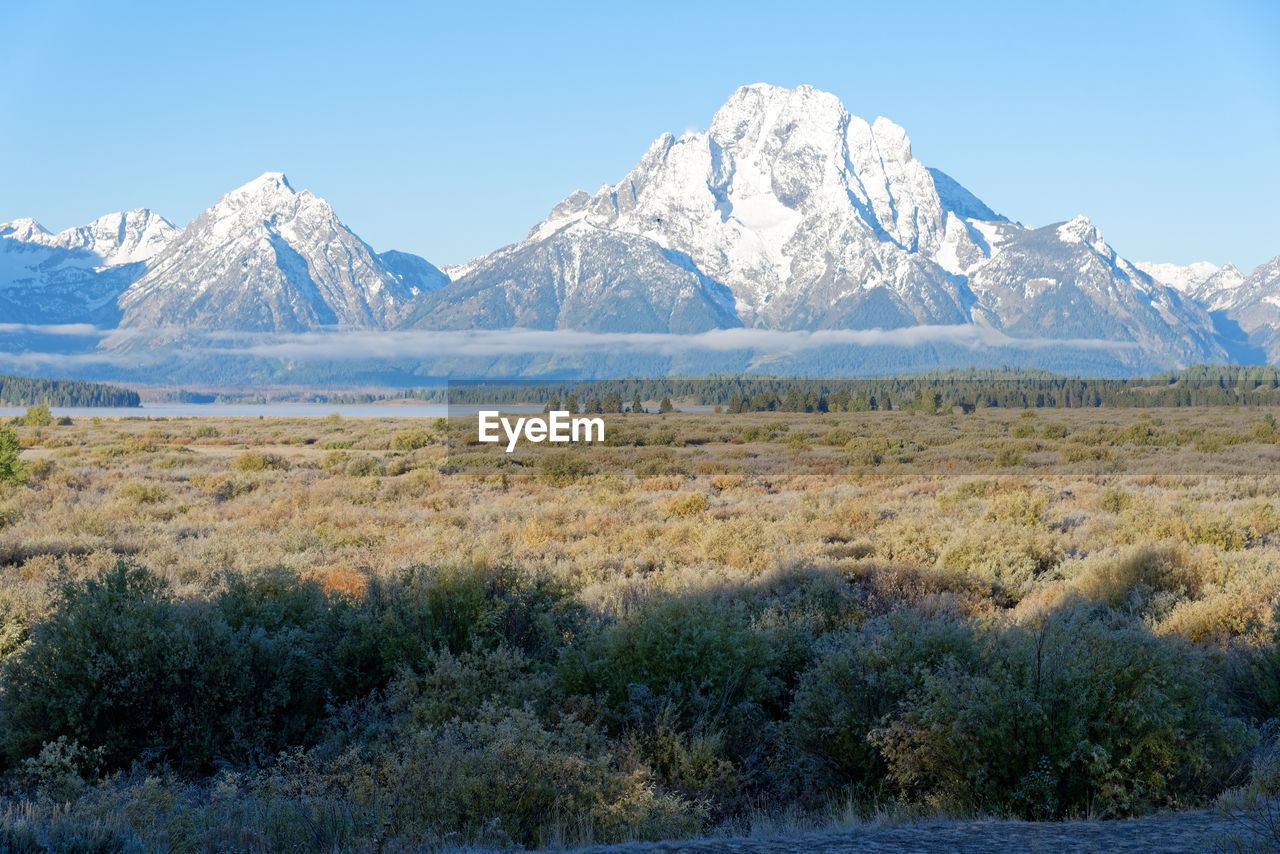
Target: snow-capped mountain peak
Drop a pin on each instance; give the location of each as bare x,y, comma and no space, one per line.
802,210
121,238
267,257
25,229
812,218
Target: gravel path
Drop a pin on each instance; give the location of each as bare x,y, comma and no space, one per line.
1200,831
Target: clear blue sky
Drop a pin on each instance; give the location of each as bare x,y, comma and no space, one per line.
450,129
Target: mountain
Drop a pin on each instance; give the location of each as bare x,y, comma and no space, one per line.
413,271
76,275
1207,284
1065,282
814,219
266,258
585,278
1251,304
815,237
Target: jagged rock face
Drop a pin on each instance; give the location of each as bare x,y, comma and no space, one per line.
811,217
786,213
414,272
581,278
1253,304
76,275
1065,282
122,238
266,258
816,219
1211,286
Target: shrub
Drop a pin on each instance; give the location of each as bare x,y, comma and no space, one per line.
1149,581
95,671
837,437
505,777
1087,711
410,440
687,504
352,465
258,461
702,653
41,469
123,667
1009,456
12,469
143,492
36,416
561,468
363,465
404,620
861,675
1020,507
1114,499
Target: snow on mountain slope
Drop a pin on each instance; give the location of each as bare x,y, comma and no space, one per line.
267,258
816,219
1212,286
76,275
1252,303
121,238
415,272
1066,281
1184,279
810,216
584,278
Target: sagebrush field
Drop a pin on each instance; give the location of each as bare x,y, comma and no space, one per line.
375,635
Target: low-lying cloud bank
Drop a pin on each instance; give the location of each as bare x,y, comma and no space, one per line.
81,330
362,344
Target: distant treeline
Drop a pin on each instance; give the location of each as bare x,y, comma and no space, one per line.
29,391
1199,385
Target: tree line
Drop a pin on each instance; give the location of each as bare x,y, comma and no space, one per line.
939,391
30,391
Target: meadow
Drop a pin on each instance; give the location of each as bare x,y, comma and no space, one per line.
376,635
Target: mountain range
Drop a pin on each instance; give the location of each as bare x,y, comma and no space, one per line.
788,215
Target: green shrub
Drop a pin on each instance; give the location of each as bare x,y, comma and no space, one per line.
1010,456
143,492
96,671
410,440
561,468
124,667
861,675
837,437
363,465
703,653
1020,507
12,469
36,416
1087,711
259,461
39,470
405,620
1115,499
507,778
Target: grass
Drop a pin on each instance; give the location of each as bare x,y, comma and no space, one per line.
1172,516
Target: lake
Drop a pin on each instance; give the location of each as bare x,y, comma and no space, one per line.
289,410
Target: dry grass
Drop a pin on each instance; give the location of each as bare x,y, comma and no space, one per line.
692,501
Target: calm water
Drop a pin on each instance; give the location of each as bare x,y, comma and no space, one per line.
268,410
288,410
